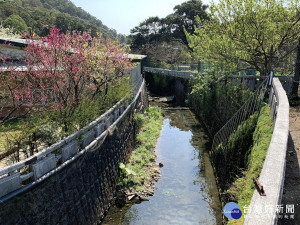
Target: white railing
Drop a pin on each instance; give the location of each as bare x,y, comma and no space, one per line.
21,175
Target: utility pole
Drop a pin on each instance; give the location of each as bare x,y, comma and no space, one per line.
295,84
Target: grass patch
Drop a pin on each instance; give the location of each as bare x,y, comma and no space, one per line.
137,171
242,189
10,131
230,158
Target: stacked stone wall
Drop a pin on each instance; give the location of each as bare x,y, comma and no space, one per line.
80,190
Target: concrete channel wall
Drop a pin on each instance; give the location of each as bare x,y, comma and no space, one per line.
262,210
250,81
173,73
73,181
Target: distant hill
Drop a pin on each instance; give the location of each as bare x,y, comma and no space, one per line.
33,15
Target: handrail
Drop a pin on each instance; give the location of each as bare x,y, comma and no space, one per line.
183,74
52,148
248,108
250,81
273,171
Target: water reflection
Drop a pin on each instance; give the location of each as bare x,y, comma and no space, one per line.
186,192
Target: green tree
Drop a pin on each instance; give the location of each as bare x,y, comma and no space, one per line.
16,23
88,21
64,22
42,17
184,17
171,28
249,34
32,3
8,10
148,32
39,13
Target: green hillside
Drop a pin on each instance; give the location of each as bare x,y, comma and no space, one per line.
33,15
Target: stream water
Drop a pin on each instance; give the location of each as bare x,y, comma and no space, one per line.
186,193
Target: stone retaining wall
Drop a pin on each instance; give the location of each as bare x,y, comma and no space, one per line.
262,210
73,181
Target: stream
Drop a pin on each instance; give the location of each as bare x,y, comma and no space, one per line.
186,192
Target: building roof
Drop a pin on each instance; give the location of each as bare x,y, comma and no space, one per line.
135,57
24,43
14,41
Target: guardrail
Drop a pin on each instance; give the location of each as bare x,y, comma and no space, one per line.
175,73
252,105
262,209
20,176
250,81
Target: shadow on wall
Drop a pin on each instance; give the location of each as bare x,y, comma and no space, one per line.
163,85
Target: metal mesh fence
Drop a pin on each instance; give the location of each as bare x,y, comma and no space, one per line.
251,106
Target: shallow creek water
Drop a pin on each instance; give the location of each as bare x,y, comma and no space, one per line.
186,193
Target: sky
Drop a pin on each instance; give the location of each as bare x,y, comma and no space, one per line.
123,15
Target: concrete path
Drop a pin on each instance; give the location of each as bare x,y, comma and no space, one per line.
291,191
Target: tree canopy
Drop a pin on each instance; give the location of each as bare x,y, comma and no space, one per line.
16,23
62,69
155,30
61,13
249,34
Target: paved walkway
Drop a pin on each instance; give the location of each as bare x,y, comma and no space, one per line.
291,191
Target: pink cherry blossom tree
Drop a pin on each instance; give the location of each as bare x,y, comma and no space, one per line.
61,69
108,62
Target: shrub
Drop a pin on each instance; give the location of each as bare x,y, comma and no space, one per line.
215,99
